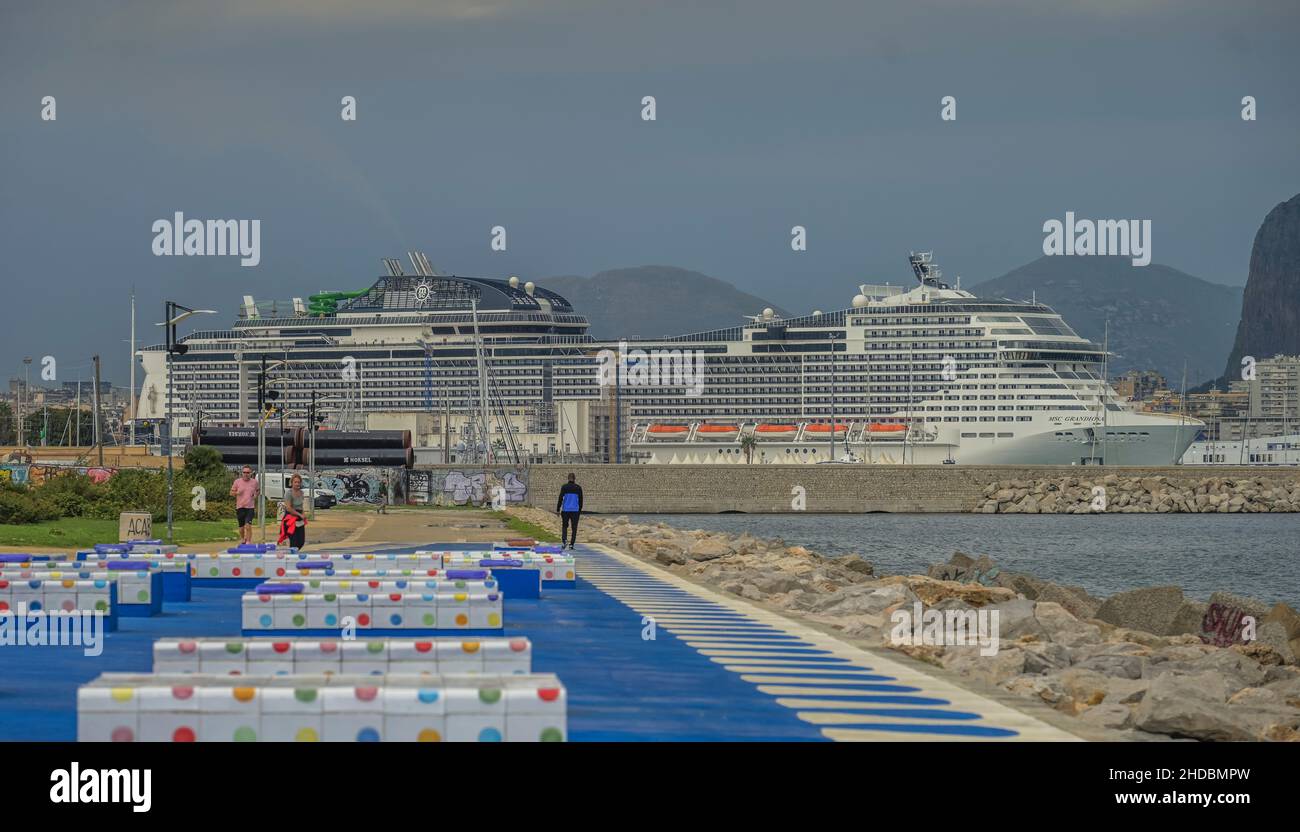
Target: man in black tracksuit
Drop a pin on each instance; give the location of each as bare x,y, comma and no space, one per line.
569,506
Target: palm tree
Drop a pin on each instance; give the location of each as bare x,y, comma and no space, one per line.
747,444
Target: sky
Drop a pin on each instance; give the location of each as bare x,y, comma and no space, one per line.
527,114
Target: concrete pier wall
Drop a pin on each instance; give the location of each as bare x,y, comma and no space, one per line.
710,489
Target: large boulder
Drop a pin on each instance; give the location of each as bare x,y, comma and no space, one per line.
1280,629
708,548
1197,706
1151,610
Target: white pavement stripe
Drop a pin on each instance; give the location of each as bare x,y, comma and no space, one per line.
721,613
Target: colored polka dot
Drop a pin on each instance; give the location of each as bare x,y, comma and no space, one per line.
469,646
182,692
489,735
244,694
551,735
281,646
257,572
245,734
428,735
69,606
235,572
460,596
142,595
183,734
36,605
366,694
367,735
102,606
427,696
234,647
121,694
122,734
363,620
304,694
299,620
462,619
214,572
428,619
548,694
375,647
494,620
489,696
264,620
395,620
331,619
306,735
518,645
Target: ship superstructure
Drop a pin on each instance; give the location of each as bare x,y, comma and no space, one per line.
926,373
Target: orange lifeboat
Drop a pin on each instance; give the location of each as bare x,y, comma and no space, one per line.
822,430
775,431
881,427
717,431
667,432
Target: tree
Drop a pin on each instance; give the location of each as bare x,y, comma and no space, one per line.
747,444
204,462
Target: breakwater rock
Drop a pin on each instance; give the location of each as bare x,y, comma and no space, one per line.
1145,664
1112,493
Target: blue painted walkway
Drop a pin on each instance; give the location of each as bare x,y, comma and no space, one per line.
710,673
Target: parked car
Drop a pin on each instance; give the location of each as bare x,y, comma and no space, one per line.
275,486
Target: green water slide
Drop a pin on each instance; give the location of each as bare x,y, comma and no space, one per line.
327,303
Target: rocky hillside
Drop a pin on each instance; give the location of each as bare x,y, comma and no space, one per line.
651,301
1270,309
1158,316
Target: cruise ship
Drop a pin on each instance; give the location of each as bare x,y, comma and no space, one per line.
495,369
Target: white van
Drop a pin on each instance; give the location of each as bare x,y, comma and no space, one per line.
274,488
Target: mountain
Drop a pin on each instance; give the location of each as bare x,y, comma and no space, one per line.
1158,316
1270,309
652,301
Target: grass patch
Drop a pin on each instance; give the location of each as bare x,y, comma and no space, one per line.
83,532
526,529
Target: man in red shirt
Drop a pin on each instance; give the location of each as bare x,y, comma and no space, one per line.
245,492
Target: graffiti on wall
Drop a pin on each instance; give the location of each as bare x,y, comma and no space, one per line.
502,486
25,474
352,486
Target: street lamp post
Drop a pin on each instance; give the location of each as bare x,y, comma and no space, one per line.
263,395
312,416
174,313
22,402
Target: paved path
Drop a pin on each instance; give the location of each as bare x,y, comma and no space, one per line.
847,692
716,669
